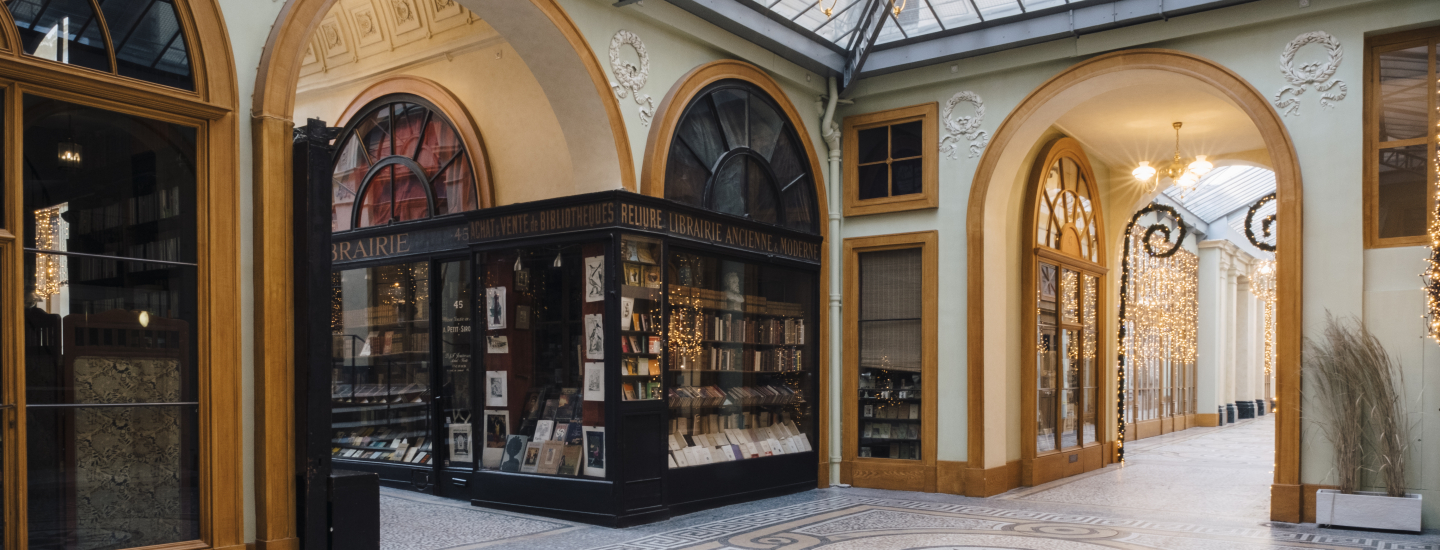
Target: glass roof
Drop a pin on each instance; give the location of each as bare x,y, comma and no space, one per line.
1225,190
838,37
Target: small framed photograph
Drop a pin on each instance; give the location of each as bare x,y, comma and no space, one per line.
495,383
522,317
652,276
522,280
497,344
495,307
595,451
460,443
497,432
627,311
633,275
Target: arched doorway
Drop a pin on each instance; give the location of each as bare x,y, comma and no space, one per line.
1066,267
578,92
993,219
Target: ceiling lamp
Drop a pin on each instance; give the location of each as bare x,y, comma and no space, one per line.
896,9
1186,177
827,11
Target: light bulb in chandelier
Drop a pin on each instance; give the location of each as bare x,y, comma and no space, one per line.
69,155
1201,166
1187,181
1143,172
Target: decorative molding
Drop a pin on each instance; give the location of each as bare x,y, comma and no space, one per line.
404,12
1310,74
965,127
630,77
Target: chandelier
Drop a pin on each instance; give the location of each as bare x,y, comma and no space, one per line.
830,10
1186,177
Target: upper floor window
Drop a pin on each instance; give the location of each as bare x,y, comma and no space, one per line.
140,39
891,160
737,153
400,159
1400,153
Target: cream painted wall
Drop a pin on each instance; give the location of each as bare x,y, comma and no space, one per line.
523,139
1246,39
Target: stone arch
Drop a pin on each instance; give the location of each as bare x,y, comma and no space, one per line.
996,191
579,93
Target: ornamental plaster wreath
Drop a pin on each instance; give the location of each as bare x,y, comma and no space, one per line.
966,127
630,77
1311,74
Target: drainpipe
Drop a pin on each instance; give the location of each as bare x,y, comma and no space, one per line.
831,133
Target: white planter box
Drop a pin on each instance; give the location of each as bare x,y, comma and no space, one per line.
1367,510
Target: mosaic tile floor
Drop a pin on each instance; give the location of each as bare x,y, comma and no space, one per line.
1207,482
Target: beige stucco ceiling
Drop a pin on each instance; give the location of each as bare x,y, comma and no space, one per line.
1132,124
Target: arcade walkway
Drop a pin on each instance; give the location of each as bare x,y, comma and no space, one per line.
1201,489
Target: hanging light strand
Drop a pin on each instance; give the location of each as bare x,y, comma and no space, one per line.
1147,246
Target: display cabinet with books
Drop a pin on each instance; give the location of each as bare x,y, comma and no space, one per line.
642,358
741,380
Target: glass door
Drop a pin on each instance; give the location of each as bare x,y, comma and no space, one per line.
454,335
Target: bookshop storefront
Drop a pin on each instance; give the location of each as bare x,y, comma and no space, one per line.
608,357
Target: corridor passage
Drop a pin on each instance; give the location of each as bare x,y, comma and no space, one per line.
1204,471
1200,489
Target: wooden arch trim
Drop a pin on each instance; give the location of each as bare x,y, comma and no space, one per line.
667,117
450,106
277,78
652,183
1286,502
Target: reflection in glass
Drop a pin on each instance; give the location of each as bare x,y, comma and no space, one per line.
380,381
890,354
1401,193
641,320
734,152
111,349
1047,356
1403,93
149,43
455,334
61,30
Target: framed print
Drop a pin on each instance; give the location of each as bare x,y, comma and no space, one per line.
594,278
595,336
594,381
627,309
522,280
595,451
497,433
497,344
461,449
495,388
1048,282
495,307
633,276
522,317
531,463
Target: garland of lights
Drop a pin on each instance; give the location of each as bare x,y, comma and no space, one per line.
1267,225
1262,285
1162,326
1431,275
1148,245
47,266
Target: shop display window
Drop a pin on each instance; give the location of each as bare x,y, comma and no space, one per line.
890,354
642,357
545,353
741,347
380,386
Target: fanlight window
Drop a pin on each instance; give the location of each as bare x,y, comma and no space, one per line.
145,39
735,152
399,160
1066,220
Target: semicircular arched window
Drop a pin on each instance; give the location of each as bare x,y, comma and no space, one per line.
1066,217
134,38
734,151
399,160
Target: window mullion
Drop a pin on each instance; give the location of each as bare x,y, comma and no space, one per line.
104,31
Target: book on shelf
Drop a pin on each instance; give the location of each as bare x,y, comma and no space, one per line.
551,455
627,389
543,430
568,405
531,461
570,460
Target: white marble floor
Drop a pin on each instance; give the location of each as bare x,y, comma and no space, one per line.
1222,472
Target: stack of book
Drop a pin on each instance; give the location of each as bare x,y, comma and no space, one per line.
731,444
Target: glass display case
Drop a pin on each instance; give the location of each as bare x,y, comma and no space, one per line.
740,352
890,348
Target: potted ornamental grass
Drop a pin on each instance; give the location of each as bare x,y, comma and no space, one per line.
1356,387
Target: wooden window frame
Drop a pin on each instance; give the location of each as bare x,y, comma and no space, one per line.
1373,48
1037,468
929,196
212,110
890,473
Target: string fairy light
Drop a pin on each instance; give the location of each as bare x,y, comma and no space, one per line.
1163,328
1262,286
1431,275
1147,244
48,279
1263,281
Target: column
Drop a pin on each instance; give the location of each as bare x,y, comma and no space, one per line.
1227,386
1244,350
1214,261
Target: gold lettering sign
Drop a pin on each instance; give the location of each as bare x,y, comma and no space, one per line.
370,247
